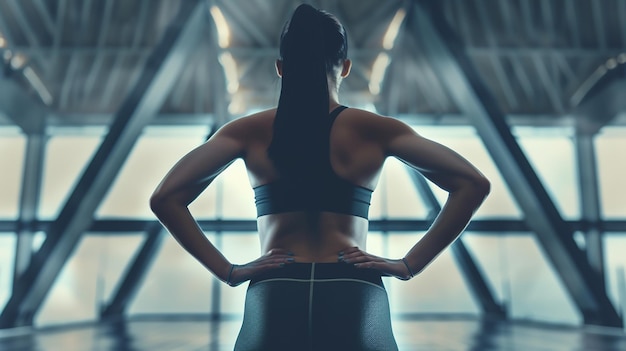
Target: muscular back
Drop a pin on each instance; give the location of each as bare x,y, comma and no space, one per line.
356,154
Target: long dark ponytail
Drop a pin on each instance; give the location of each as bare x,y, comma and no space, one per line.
312,45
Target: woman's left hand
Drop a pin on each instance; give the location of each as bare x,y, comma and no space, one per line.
361,259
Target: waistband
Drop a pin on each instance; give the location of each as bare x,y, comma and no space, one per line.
308,272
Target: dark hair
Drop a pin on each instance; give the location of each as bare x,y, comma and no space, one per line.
313,43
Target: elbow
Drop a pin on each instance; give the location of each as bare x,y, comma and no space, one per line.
157,203
482,186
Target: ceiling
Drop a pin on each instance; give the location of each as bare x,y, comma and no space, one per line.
533,56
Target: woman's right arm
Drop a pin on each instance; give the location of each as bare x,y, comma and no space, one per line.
466,187
182,185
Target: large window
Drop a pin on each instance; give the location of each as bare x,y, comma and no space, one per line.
610,148
466,142
513,264
12,145
66,157
7,257
156,151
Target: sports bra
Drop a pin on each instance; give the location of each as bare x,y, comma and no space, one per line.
329,192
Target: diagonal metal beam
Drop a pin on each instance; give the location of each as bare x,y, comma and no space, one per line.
472,274
161,70
447,56
135,273
590,201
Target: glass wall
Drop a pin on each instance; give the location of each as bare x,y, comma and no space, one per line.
175,283
615,269
513,263
466,142
90,278
7,257
12,147
65,159
151,158
610,146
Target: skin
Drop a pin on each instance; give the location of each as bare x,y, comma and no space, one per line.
360,141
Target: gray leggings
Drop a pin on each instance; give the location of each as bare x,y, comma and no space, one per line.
317,307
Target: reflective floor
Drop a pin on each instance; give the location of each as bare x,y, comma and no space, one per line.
423,334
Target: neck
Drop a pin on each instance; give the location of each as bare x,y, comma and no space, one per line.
333,94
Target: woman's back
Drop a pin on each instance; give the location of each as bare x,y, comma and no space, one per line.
356,155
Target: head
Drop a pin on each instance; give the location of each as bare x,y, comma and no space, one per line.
313,60
310,37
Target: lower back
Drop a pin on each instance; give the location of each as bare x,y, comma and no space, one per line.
312,237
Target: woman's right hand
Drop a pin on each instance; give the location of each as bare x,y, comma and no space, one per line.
273,259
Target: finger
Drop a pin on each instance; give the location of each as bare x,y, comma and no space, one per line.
278,251
355,258
348,251
368,264
354,254
276,260
371,265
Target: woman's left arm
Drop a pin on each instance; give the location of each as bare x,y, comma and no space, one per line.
182,185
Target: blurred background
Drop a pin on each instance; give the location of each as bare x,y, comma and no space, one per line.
98,99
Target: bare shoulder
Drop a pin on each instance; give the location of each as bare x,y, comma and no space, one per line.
376,125
250,126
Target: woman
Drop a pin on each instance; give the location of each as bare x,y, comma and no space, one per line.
313,165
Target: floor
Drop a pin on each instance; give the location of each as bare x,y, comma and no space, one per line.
435,334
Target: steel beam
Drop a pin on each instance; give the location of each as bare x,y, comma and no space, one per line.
29,202
472,274
158,76
447,56
490,227
68,121
596,103
590,201
136,272
30,115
